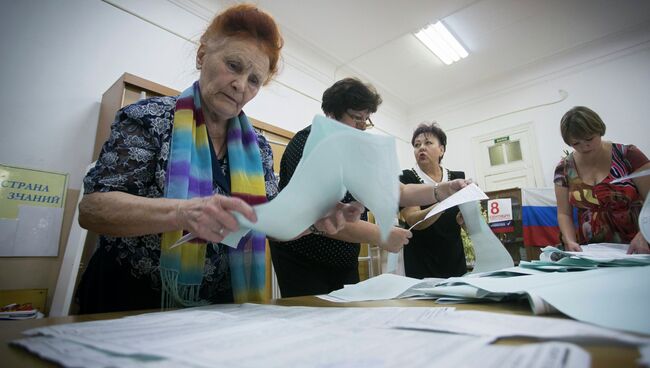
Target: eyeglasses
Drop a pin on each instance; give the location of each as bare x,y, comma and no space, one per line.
360,121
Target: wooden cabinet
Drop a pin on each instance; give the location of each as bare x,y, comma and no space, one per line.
278,138
36,297
512,239
126,90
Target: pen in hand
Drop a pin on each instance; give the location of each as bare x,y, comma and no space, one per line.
184,239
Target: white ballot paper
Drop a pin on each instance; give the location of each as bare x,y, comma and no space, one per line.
644,359
605,252
391,262
613,297
594,255
501,325
644,219
489,252
269,336
637,174
470,193
336,159
383,287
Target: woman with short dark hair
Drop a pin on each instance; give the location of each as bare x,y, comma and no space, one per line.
353,98
320,263
436,248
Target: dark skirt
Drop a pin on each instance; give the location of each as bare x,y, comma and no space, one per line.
107,286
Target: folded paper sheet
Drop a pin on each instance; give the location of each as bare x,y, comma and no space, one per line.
489,253
336,159
471,193
634,175
383,287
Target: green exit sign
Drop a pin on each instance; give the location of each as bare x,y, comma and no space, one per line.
502,139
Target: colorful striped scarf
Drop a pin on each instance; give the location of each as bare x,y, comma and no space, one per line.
189,175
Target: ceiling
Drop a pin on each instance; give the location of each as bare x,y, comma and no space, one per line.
373,38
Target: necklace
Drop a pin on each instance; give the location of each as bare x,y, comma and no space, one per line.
218,134
432,176
222,148
222,151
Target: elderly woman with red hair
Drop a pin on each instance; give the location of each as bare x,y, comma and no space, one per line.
182,164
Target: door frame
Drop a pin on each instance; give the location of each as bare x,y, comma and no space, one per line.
530,152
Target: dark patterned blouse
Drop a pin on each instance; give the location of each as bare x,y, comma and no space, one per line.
134,160
606,212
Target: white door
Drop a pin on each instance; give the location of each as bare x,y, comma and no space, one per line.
507,159
515,179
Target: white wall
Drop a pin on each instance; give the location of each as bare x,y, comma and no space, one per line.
615,86
59,57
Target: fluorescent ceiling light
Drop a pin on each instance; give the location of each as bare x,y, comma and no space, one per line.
440,41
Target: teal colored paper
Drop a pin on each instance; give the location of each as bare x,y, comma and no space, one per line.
489,252
614,297
336,159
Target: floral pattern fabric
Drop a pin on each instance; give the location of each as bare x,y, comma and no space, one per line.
607,212
134,160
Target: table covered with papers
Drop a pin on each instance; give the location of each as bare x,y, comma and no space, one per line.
387,334
458,326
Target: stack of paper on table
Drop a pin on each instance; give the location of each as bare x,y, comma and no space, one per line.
592,256
383,287
613,297
16,311
24,314
389,286
253,335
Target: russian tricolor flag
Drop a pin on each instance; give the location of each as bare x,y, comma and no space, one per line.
539,217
